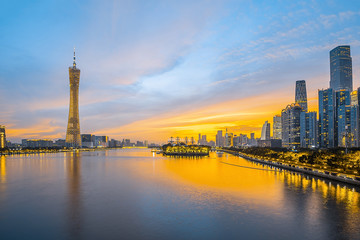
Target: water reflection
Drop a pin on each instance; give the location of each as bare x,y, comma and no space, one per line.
139,194
2,169
2,177
74,210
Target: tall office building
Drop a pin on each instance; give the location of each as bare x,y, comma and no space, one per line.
355,118
354,126
308,130
342,117
219,139
265,131
252,139
341,68
2,137
327,118
73,138
290,123
277,127
300,94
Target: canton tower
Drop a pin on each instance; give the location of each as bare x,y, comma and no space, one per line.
73,138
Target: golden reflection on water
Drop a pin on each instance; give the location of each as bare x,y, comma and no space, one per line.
2,169
72,167
261,185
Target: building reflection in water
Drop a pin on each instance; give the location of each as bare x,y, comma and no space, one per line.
315,200
2,177
344,200
74,211
2,169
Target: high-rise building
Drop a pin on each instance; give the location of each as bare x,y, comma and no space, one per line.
341,69
277,127
354,126
265,131
228,139
342,117
252,139
308,130
236,141
355,118
327,118
219,139
73,138
290,123
300,94
2,137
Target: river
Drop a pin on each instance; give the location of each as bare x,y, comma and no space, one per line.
137,194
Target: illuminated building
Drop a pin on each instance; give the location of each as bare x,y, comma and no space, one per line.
219,139
2,137
73,138
37,143
342,117
271,143
354,126
277,127
87,140
341,69
252,139
265,131
290,123
327,118
236,141
300,94
228,139
355,118
103,141
308,130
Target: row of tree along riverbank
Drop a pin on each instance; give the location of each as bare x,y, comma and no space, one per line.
331,163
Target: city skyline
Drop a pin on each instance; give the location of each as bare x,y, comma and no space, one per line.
199,83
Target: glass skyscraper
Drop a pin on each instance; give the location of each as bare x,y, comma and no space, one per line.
327,118
265,131
341,68
277,127
300,94
290,123
308,129
342,116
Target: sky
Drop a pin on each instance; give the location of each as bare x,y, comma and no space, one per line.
155,69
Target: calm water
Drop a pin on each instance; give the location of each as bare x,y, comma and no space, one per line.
135,194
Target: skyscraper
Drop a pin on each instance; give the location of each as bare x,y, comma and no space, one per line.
300,94
290,123
2,137
308,129
342,117
277,127
73,138
265,131
341,68
327,118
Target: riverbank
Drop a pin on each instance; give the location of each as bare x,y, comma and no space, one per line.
309,171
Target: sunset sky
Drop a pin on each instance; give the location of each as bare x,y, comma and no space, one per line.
155,69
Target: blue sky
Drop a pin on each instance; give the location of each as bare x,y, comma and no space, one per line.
151,69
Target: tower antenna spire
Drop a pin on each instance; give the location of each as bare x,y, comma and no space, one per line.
74,63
